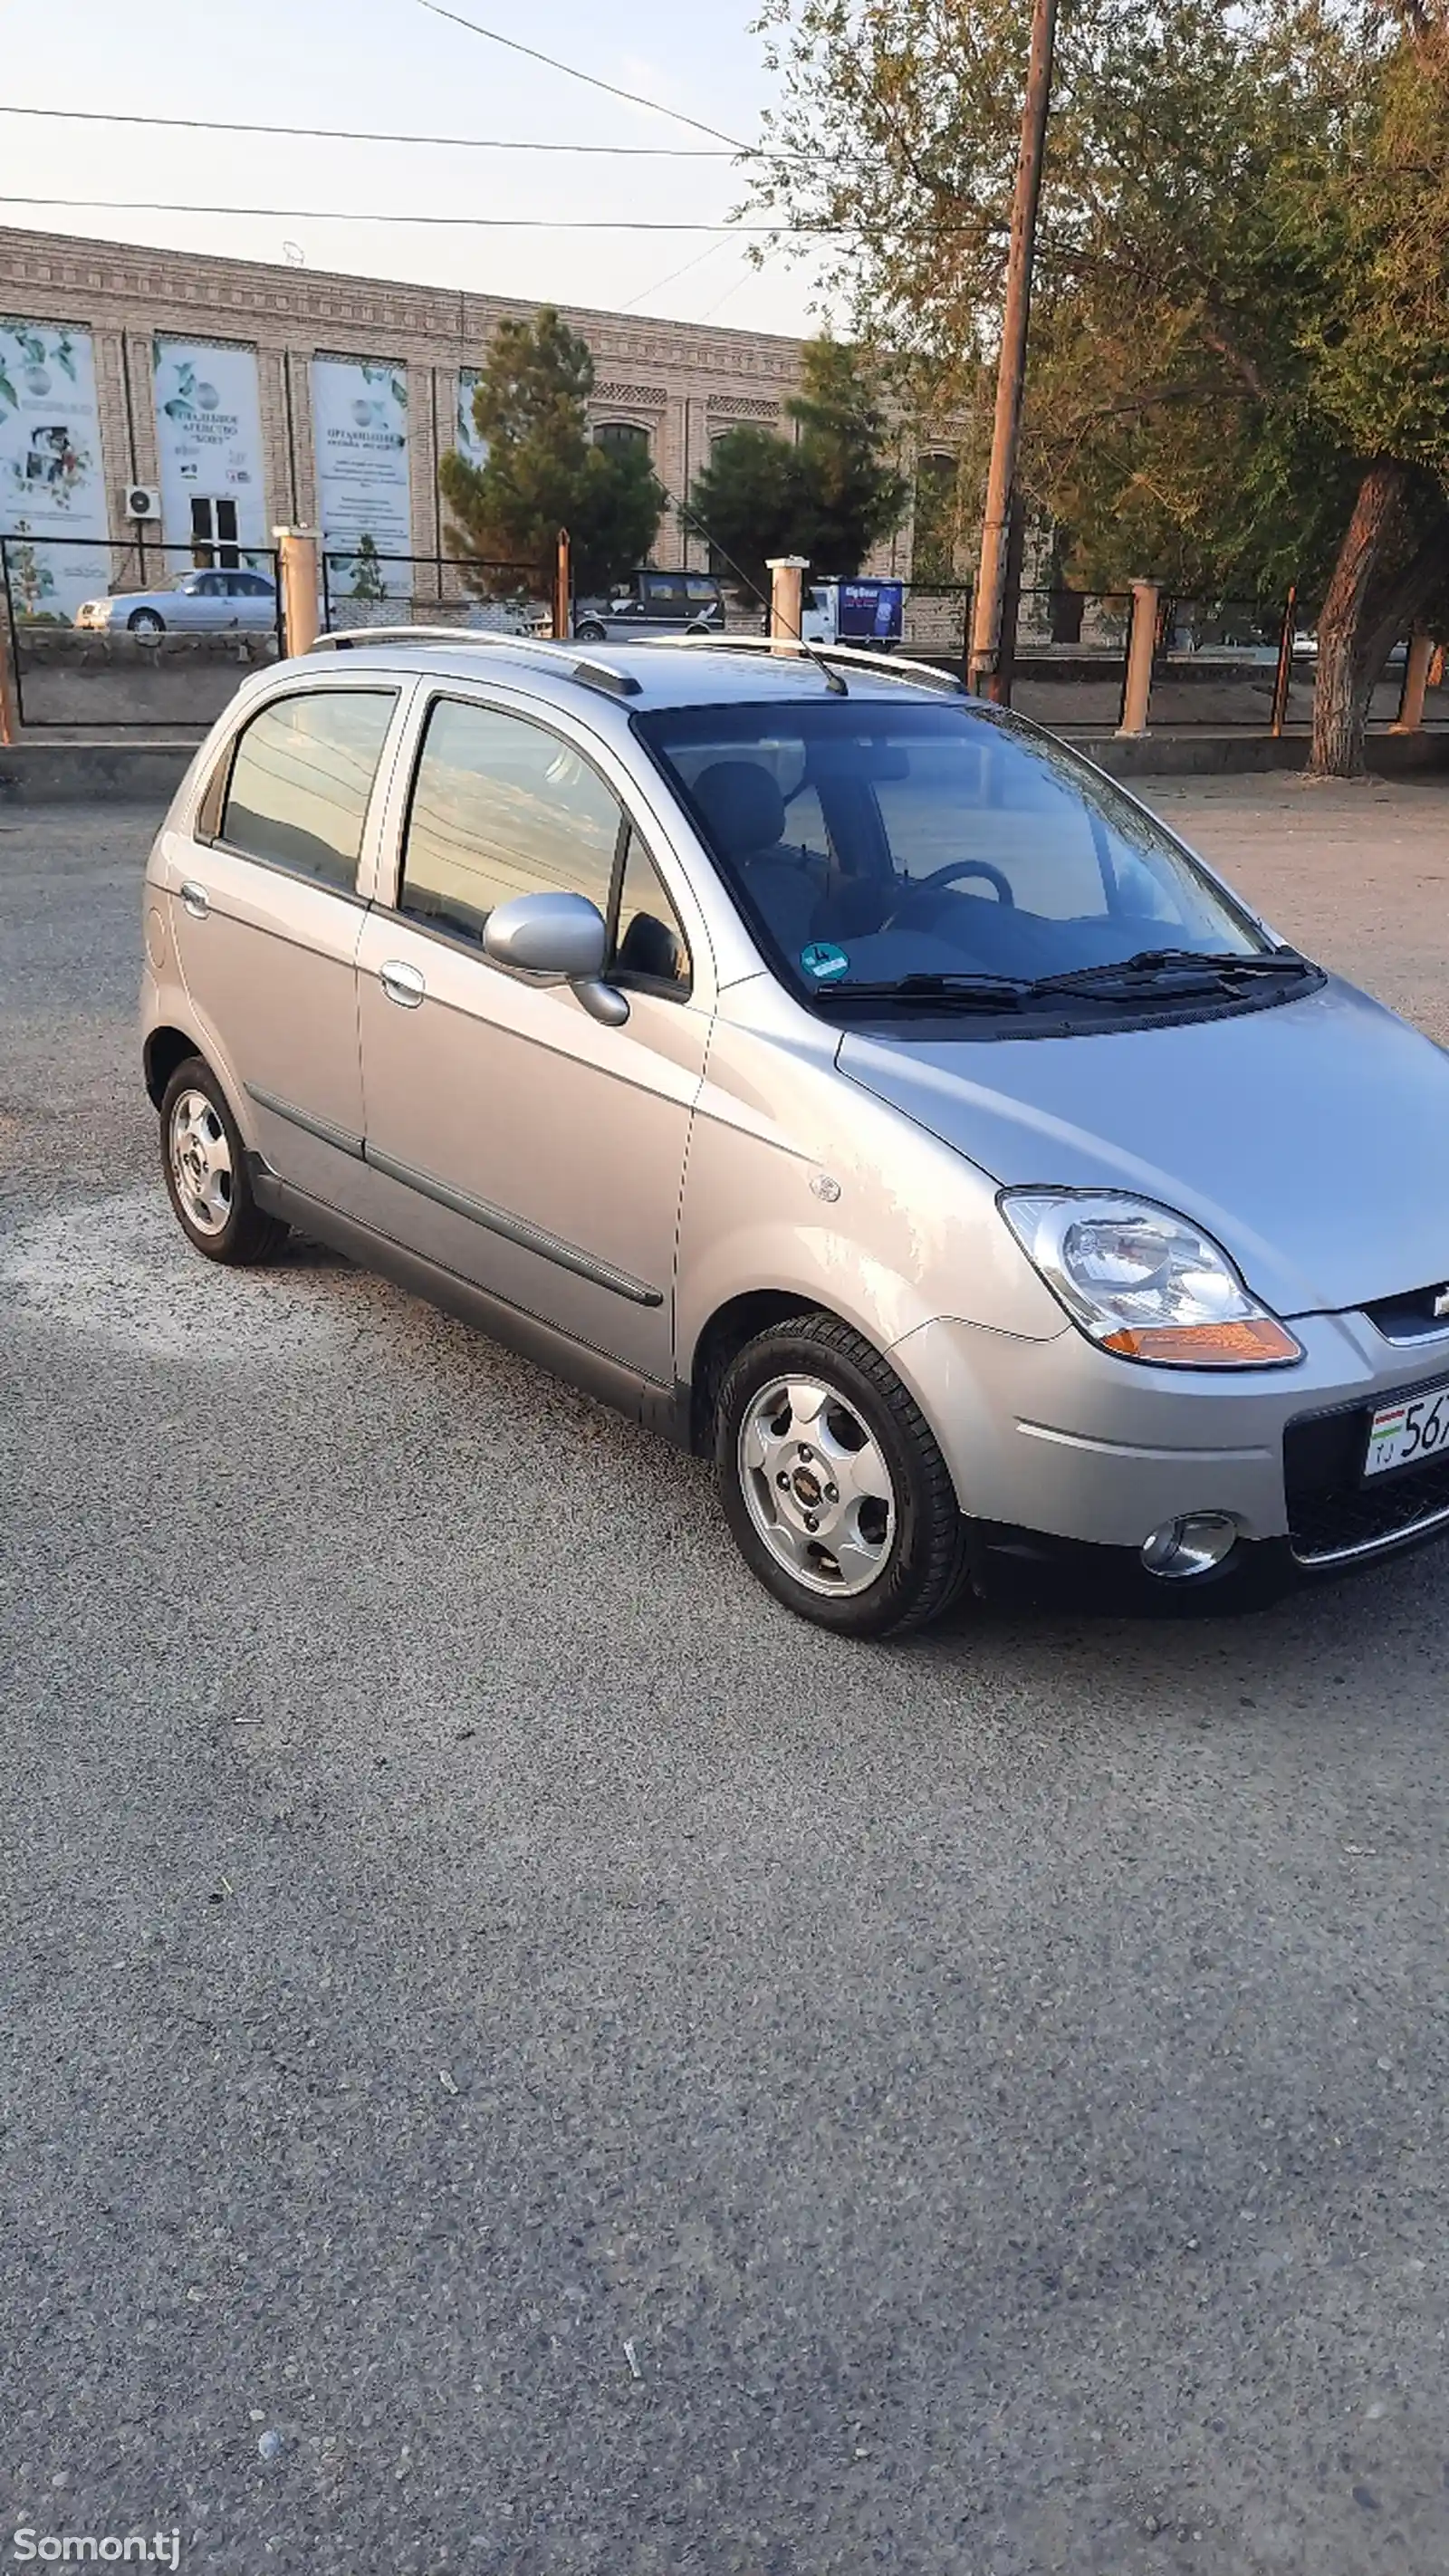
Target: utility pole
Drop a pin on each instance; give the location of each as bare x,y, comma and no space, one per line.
1011,366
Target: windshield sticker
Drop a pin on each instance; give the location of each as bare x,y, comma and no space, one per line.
824,960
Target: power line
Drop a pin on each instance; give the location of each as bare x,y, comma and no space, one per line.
660,283
351,134
485,223
572,72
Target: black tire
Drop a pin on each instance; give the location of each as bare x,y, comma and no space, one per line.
240,1232
589,632
144,621
924,1557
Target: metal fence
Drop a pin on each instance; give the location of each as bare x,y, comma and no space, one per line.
936,618
133,633
372,589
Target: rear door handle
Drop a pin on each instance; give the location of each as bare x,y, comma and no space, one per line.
195,898
402,983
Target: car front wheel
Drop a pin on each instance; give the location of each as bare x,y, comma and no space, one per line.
144,621
589,632
832,1483
206,1173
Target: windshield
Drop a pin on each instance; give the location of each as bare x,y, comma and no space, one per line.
869,843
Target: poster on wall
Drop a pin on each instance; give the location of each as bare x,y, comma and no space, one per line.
209,442
472,448
360,422
52,481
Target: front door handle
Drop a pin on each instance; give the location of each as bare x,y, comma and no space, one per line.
402,983
195,898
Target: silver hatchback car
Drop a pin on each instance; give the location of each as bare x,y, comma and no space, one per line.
831,1071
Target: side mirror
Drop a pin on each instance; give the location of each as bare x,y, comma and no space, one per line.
556,934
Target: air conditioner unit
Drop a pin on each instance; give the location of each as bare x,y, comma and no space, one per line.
142,501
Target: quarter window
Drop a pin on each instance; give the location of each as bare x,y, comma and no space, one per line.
500,807
301,779
649,944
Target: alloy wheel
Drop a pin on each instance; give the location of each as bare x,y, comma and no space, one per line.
200,1158
816,1485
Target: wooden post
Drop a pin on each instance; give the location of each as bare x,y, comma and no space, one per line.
561,588
785,597
297,548
1283,676
1141,640
1011,364
1416,680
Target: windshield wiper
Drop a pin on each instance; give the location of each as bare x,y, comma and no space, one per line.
965,992
1124,979
1210,965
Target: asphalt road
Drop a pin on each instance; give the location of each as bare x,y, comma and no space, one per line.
523,2057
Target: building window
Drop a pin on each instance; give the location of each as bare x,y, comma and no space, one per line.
933,547
621,437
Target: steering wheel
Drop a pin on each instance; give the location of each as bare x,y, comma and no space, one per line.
940,877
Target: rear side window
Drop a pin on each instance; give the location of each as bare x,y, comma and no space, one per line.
500,807
301,778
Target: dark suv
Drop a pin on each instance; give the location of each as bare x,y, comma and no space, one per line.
654,603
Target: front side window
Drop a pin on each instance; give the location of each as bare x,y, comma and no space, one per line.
500,807
301,778
874,844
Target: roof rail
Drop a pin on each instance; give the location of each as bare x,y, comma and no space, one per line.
893,666
570,665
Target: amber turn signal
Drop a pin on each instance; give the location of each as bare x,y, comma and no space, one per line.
1257,1341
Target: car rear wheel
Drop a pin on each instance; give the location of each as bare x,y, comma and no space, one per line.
144,621
206,1172
832,1483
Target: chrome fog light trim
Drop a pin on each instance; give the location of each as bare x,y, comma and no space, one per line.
1192,1545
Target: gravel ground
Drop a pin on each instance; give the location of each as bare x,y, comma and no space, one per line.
523,2057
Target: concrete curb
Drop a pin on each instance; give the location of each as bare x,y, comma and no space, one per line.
148,773
63,773
1226,755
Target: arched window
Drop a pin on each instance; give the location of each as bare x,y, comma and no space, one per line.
621,437
933,549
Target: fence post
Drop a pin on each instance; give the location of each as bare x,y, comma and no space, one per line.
297,549
9,660
785,596
1416,680
1141,642
999,681
561,586
967,607
1283,676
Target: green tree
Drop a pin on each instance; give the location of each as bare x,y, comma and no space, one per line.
851,496
830,494
542,472
1241,333
747,499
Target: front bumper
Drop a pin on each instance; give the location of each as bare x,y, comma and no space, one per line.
1059,1439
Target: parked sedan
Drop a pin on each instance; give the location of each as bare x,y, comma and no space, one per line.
207,601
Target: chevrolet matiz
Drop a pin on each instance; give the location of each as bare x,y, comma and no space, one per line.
832,1071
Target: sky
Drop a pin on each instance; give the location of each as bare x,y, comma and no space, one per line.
397,66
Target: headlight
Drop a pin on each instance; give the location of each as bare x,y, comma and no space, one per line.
1143,1283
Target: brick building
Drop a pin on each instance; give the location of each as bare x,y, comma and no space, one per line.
280,331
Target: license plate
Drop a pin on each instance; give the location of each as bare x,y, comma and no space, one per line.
1400,1435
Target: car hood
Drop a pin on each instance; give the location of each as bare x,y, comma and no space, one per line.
1311,1137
